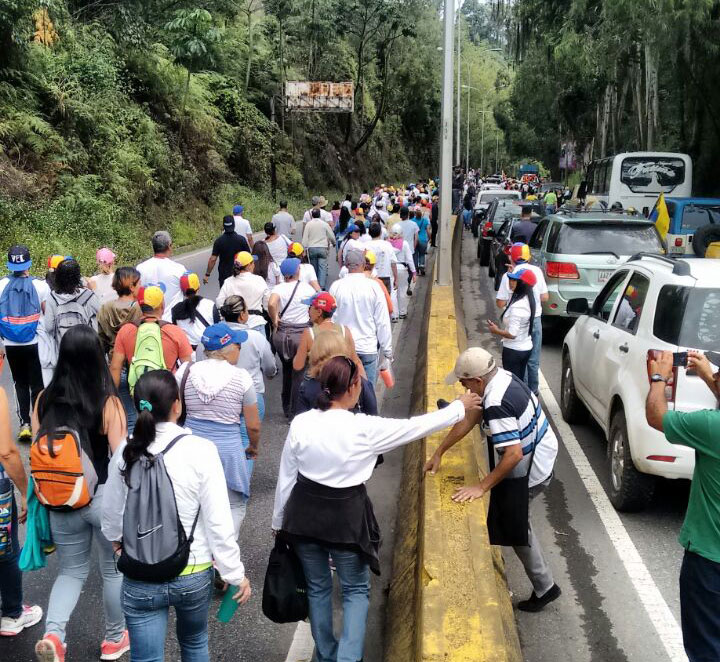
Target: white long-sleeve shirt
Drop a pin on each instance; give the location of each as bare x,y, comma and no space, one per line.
404,255
361,305
198,480
339,449
251,287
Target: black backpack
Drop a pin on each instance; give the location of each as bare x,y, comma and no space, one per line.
285,590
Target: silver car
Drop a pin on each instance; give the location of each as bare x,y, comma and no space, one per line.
579,251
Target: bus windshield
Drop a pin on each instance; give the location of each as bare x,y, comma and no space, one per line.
652,174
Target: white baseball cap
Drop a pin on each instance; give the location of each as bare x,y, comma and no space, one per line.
474,362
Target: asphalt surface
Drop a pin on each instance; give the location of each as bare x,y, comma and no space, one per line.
600,616
249,637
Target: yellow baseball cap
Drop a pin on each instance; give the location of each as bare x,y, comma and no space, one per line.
152,296
370,257
243,258
295,249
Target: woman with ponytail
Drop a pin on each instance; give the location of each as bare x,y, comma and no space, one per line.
194,313
322,506
194,467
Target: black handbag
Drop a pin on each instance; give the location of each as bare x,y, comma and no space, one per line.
509,509
285,590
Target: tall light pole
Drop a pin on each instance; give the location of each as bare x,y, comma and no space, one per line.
458,152
444,267
467,128
482,142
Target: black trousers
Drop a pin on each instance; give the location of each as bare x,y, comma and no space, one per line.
700,607
434,226
27,375
515,361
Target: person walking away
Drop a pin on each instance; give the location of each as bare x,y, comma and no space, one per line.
22,304
290,318
409,227
467,212
162,269
424,234
322,506
522,443
163,346
371,273
265,265
335,213
70,304
523,230
361,306
15,616
80,404
405,270
519,319
385,259
195,471
347,203
351,242
242,225
224,249
520,259
277,243
317,239
551,202
321,308
249,286
194,313
283,221
216,394
101,283
342,227
307,271
434,220
700,571
256,356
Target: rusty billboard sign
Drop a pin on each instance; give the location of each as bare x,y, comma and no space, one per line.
319,96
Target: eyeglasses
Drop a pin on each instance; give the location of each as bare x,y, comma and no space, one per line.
353,371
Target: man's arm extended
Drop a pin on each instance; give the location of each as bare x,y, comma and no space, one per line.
456,433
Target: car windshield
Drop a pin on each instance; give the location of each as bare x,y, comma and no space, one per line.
687,317
486,198
695,216
617,238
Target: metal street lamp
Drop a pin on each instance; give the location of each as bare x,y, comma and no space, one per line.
467,128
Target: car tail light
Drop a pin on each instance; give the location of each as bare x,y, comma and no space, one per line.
561,270
662,458
671,386
678,241
486,227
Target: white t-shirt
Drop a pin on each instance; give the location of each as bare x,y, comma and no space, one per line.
517,322
297,312
307,273
43,291
504,292
103,287
242,226
166,271
194,330
384,255
410,230
352,244
278,248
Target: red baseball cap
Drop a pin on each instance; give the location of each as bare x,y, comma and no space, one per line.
519,252
322,301
525,275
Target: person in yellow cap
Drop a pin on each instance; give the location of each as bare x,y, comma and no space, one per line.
194,313
307,271
370,263
252,288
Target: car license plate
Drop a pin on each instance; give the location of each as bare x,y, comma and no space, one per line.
604,276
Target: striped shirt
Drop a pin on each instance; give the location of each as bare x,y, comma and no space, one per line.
513,416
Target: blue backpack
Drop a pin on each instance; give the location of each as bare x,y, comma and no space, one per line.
19,310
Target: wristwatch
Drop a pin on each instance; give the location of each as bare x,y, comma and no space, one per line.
657,377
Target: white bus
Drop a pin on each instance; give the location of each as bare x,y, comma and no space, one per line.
636,179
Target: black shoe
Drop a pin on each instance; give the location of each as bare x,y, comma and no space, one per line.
538,604
442,403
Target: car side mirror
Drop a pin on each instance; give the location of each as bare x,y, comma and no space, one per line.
578,306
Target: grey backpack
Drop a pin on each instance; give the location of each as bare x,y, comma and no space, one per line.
155,547
71,313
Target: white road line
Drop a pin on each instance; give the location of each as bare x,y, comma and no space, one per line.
303,646
666,627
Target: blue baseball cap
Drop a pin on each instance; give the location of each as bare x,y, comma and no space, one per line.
289,266
221,335
19,258
238,209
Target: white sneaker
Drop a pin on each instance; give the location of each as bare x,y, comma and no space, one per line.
31,615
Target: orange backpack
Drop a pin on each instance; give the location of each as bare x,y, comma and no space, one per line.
64,475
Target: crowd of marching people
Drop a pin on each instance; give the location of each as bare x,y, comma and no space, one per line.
143,403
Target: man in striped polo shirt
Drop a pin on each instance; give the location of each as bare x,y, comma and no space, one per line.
514,423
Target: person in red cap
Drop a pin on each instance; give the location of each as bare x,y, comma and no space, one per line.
518,318
322,309
194,313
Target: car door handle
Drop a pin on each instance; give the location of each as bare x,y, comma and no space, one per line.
624,348
596,334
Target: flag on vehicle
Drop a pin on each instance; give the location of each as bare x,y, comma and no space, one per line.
661,217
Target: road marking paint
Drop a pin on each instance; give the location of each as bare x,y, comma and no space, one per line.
665,624
303,646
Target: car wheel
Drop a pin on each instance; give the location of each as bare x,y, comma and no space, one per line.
572,408
491,264
484,252
629,490
703,237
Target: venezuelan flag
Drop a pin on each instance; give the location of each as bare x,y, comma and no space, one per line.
661,217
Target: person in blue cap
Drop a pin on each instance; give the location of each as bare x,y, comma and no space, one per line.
216,396
22,305
242,225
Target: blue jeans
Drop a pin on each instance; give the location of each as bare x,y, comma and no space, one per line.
370,363
419,255
354,574
532,378
11,595
73,534
699,590
127,401
146,608
243,429
318,258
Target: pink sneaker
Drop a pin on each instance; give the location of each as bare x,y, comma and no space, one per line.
113,650
9,627
50,649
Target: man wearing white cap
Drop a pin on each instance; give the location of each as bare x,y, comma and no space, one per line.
524,447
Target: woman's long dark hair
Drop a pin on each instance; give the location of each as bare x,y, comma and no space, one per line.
155,393
80,385
344,219
187,308
123,279
68,277
336,378
260,248
522,289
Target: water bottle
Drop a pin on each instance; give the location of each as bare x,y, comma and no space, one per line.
228,606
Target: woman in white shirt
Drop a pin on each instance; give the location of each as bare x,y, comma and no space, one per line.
277,243
251,287
405,271
194,467
194,313
321,503
307,271
102,282
518,318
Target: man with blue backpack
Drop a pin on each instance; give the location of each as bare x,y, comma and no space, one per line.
22,304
